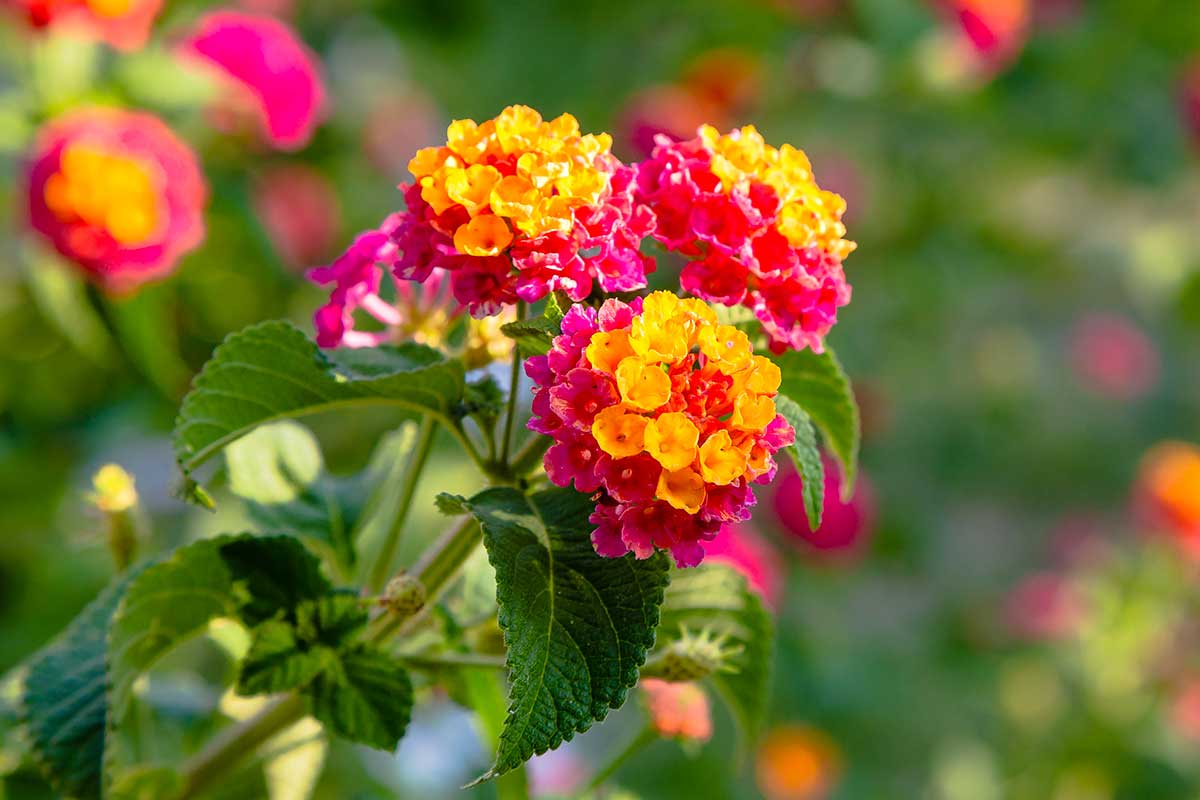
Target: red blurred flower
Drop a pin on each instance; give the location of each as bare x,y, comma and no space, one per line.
752,555
123,24
1043,606
267,70
299,209
845,526
117,193
1185,710
1112,357
796,762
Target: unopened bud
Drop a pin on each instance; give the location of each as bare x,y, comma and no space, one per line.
693,656
404,596
114,494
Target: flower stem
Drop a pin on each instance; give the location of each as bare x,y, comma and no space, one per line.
468,660
227,748
511,415
644,738
420,454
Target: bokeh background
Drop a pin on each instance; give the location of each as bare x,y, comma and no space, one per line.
1005,609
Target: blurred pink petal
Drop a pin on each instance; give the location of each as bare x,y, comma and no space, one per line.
123,24
750,554
1113,358
299,209
266,61
1043,606
845,527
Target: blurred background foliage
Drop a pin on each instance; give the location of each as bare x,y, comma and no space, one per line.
1024,327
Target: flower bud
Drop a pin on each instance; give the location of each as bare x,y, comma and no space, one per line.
404,596
691,657
115,495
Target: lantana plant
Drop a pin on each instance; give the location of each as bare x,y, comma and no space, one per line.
616,432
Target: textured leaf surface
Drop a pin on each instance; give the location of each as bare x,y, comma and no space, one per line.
271,371
278,661
577,625
533,336
64,701
717,597
272,575
820,386
807,458
280,473
366,696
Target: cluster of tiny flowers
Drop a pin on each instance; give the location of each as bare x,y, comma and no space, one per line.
759,230
517,207
667,415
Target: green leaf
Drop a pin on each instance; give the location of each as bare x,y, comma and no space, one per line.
449,504
278,661
577,625
272,575
330,620
364,696
279,471
557,305
146,783
64,706
820,386
807,458
717,597
533,336
271,371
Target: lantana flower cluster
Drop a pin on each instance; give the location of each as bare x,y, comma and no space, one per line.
759,230
667,415
517,207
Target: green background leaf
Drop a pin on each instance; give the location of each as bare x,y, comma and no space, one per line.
365,697
819,385
577,625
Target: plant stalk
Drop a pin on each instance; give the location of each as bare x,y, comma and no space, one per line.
383,562
511,413
235,742
635,745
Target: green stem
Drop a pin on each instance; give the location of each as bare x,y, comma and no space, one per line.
511,415
530,456
473,660
456,430
644,738
232,744
486,692
420,454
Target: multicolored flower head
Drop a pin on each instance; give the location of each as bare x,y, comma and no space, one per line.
760,230
1166,495
267,70
123,24
665,413
117,193
517,207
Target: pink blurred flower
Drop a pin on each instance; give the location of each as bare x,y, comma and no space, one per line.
1112,357
266,68
1189,98
299,209
752,555
123,24
1042,607
845,526
557,773
677,710
117,193
397,127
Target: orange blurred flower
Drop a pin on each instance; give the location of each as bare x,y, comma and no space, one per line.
796,762
1167,492
677,710
123,24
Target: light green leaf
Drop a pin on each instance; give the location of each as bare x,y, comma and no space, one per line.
64,707
717,597
271,371
278,469
365,696
820,386
145,783
807,458
577,625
